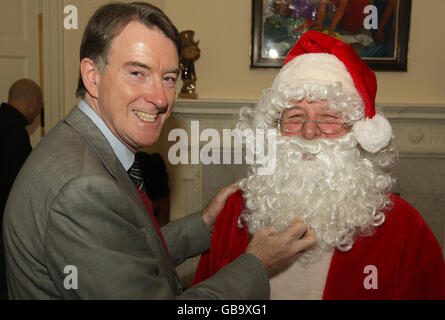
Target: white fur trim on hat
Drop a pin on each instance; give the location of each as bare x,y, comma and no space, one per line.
322,68
373,134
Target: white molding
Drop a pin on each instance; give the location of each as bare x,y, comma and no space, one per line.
218,108
413,111
53,66
214,108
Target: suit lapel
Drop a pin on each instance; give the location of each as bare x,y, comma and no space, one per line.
80,122
85,127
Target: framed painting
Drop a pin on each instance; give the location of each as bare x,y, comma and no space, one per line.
378,30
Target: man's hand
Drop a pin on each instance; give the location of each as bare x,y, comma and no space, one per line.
215,205
277,252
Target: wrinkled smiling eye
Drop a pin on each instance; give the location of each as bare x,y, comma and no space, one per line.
137,75
171,81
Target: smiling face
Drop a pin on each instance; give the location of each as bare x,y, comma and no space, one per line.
316,110
135,93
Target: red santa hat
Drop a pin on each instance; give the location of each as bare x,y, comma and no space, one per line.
324,59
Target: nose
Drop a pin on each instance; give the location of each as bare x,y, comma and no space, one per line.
157,95
311,131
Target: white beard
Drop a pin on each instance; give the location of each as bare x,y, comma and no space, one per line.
327,183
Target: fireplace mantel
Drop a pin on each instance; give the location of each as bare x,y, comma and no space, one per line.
209,108
215,107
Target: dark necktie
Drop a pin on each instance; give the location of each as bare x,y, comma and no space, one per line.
135,173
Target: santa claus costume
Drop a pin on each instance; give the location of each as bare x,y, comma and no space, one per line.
371,244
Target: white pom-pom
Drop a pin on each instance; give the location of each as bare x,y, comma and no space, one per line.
373,134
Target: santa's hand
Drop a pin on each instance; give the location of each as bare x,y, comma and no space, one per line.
278,251
215,205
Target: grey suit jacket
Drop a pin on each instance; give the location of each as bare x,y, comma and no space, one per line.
76,227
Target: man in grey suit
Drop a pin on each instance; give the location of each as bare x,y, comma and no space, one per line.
76,227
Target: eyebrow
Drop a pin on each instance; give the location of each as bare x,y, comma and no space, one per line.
137,64
295,108
324,109
144,66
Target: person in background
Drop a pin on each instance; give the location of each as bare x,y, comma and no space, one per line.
383,45
25,101
348,15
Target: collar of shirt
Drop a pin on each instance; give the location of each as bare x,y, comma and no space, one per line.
125,155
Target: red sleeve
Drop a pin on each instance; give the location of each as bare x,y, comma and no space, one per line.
422,267
228,240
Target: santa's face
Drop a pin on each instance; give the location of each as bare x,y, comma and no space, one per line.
338,193
313,120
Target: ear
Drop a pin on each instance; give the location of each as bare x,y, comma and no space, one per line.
33,103
90,76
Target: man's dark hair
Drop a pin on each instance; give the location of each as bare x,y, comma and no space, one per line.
109,21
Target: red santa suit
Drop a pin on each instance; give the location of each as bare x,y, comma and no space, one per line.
402,260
